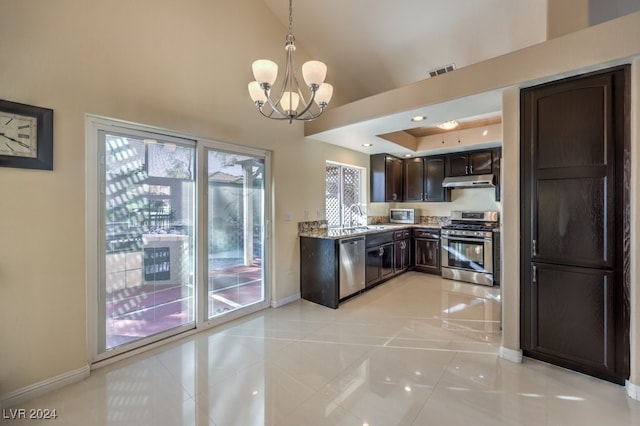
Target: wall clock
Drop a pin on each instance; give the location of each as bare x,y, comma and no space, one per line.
26,136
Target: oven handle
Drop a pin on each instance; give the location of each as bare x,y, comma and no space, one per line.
472,240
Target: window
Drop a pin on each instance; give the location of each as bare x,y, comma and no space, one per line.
344,196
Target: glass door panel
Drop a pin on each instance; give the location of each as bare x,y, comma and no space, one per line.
149,209
235,237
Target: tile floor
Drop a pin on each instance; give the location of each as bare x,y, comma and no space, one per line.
417,350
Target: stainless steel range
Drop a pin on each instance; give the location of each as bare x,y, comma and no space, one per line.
467,246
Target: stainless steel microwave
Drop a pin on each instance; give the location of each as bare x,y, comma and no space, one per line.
403,216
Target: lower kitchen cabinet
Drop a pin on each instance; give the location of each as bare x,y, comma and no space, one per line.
319,271
402,248
379,259
426,243
379,264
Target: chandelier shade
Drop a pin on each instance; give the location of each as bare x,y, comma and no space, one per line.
289,102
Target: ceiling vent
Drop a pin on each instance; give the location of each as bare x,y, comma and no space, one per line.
442,70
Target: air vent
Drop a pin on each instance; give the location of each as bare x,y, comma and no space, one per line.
442,70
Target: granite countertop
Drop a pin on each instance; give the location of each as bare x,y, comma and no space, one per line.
338,233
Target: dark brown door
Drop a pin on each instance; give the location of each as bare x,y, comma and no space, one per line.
480,163
393,185
458,164
573,294
413,179
433,177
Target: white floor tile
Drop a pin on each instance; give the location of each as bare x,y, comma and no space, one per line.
417,350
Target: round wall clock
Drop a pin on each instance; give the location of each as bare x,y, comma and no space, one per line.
26,136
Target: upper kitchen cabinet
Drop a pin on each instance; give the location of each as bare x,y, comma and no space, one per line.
423,179
470,163
386,176
497,157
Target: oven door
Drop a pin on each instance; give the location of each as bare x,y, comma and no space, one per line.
471,254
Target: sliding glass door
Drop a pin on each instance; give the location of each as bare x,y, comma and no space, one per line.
148,211
176,234
235,231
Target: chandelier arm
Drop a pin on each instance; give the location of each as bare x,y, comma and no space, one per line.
271,115
272,106
307,105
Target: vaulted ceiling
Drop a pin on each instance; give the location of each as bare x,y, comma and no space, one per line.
372,46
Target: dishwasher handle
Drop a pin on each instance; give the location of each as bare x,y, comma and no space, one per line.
353,240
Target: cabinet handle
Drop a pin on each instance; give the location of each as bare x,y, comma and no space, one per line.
534,247
534,274
466,170
471,169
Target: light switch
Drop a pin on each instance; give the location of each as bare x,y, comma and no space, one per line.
287,217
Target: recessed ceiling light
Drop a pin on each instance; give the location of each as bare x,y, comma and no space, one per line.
367,144
407,155
418,118
448,125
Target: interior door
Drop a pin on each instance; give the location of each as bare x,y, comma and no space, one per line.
574,308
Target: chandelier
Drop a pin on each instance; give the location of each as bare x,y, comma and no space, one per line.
289,103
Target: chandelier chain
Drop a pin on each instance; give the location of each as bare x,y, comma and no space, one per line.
290,16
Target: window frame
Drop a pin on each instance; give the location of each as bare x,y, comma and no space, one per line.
362,191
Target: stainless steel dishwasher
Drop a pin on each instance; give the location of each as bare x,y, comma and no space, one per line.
352,265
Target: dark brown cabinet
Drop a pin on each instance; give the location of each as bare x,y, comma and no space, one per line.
402,250
414,179
319,271
470,163
386,177
497,157
380,258
575,310
423,178
426,243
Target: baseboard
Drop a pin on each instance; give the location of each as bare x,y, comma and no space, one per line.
633,391
285,301
511,355
20,396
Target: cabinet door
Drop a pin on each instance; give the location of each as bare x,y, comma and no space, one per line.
393,179
414,179
480,162
433,177
427,255
458,164
372,266
497,155
386,261
402,255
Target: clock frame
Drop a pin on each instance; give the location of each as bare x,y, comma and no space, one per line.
43,158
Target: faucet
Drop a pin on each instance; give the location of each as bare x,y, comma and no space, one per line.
359,212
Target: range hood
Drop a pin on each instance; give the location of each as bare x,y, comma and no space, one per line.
473,181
